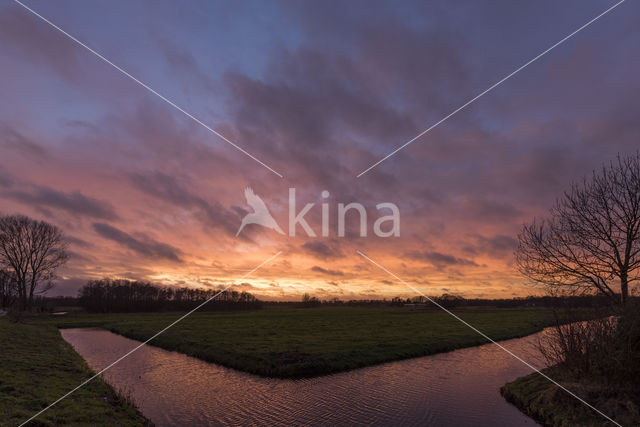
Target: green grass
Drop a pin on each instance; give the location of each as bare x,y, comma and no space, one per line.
37,367
290,343
551,406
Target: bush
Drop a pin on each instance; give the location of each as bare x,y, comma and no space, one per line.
607,347
628,343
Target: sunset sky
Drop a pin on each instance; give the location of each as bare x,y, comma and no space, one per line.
318,91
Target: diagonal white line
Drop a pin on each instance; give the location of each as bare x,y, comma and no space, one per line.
498,83
165,99
145,342
485,336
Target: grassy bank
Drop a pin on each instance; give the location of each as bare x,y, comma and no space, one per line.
37,367
286,343
551,406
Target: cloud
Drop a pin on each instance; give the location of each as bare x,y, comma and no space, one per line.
144,246
74,203
440,260
184,64
490,210
13,140
322,250
497,246
171,190
5,179
77,242
329,272
34,40
240,287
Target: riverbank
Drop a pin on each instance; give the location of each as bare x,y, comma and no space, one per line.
296,343
455,388
551,406
38,367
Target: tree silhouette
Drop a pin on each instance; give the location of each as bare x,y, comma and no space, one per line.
122,295
591,241
8,289
31,251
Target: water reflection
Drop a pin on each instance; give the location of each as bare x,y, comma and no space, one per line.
458,388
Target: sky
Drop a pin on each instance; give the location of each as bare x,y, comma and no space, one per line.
318,91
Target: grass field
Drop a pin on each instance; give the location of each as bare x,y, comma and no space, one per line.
37,367
548,404
289,343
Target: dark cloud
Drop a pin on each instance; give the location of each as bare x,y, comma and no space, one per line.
171,190
31,38
5,179
489,210
303,111
74,203
440,260
83,257
144,246
317,101
497,246
322,250
184,64
165,187
329,272
77,242
13,140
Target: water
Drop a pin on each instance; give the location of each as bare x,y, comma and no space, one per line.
459,388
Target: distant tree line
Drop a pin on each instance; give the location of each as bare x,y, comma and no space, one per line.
120,295
446,300
452,301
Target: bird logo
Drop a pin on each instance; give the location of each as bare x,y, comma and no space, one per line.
260,214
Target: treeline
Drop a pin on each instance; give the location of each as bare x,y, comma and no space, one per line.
452,301
127,296
109,295
541,301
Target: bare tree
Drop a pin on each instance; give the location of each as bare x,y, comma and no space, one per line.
591,242
31,251
8,289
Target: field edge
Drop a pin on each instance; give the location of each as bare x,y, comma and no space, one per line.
551,406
